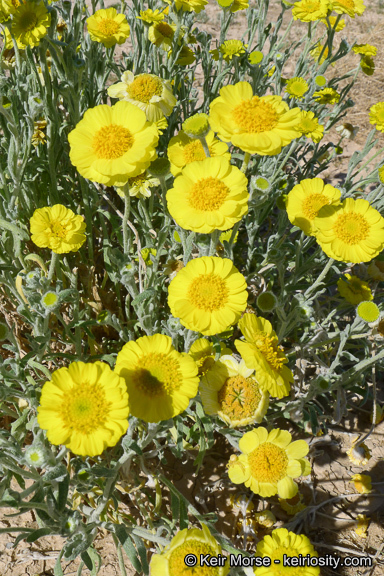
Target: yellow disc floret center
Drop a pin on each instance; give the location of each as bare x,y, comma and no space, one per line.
255,115
351,228
208,292
144,87
165,29
239,397
312,6
208,194
28,21
84,408
193,151
270,349
58,230
307,125
176,564
112,142
348,3
268,463
157,375
108,27
312,205
280,569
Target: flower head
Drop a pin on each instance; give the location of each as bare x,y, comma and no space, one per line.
292,506
190,5
186,56
350,7
108,27
305,200
255,57
7,7
354,290
203,353
267,301
367,65
376,271
30,23
258,125
149,16
359,454
365,49
57,228
113,143
196,126
320,53
161,34
184,149
309,126
269,462
296,87
362,525
140,185
362,483
233,5
160,380
376,116
35,456
230,390
332,20
326,96
231,48
262,353
350,232
85,407
310,10
208,295
368,311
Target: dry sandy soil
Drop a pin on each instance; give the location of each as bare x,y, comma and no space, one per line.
331,528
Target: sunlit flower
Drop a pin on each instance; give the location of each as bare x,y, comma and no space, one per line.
292,506
255,57
84,407
140,186
108,27
183,150
30,22
234,5
350,7
362,525
368,311
58,228
296,87
309,126
365,49
320,53
190,5
326,96
376,116
186,57
39,136
362,483
310,10
332,20
269,462
354,290
149,16
203,353
161,34
265,518
231,48
359,454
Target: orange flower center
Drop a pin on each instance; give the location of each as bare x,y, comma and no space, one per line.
208,292
144,87
208,194
268,463
255,115
108,27
351,228
112,142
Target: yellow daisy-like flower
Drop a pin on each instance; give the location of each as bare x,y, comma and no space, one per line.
368,311
354,290
113,143
258,125
266,518
7,7
160,380
269,462
230,390
208,195
376,116
203,353
359,454
183,150
186,57
332,20
161,34
149,16
281,544
350,232
317,51
365,49
350,7
84,407
190,5
376,271
310,10
30,23
306,199
170,561
148,92
292,506
362,525
234,5
309,126
57,228
367,65
262,352
140,186
208,295
326,96
108,27
381,174
362,483
231,48
296,87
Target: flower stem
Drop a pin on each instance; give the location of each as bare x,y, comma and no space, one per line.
205,146
52,266
127,203
320,278
246,160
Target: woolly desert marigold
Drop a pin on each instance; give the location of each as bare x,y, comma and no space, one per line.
351,232
309,126
203,353
190,5
354,290
281,544
310,10
376,116
326,96
208,195
58,228
183,150
258,125
231,48
306,199
350,7
84,407
160,380
296,87
30,23
161,35
261,352
148,92
208,295
171,562
269,462
230,390
108,27
113,143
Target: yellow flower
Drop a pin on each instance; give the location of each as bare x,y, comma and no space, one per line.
326,96
368,311
208,195
362,525
309,126
346,130
354,290
231,48
306,199
258,125
266,518
332,19
230,390
30,23
376,116
186,57
359,454
203,353
172,267
350,232
39,136
367,65
140,186
234,5
146,254
365,49
255,57
84,407
310,10
190,5
58,228
208,295
269,462
7,7
148,92
261,352
160,380
196,126
292,506
108,27
149,16
296,87
376,270
350,7
362,483
193,541
113,143
317,51
283,544
161,34
183,150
